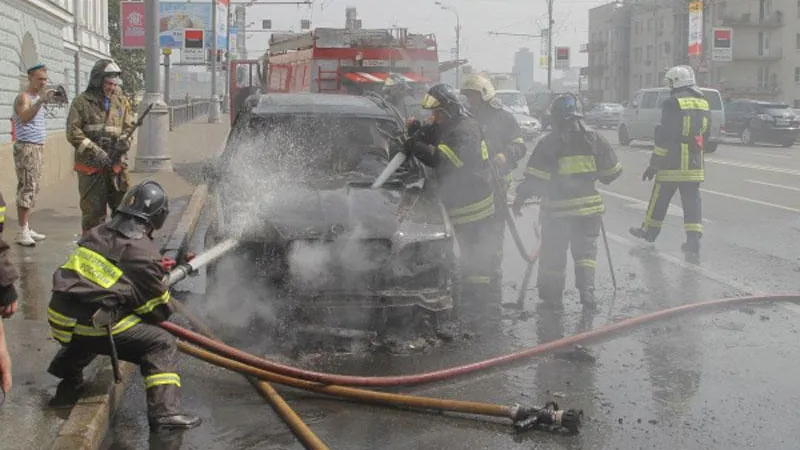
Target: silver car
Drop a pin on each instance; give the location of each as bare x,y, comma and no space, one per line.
604,115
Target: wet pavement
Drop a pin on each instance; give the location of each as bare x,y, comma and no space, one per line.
713,381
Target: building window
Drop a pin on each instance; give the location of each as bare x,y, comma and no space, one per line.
797,75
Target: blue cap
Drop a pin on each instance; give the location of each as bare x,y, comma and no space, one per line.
35,67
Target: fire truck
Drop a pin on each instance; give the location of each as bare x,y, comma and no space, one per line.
347,60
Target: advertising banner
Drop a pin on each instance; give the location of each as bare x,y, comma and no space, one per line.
131,23
722,45
175,17
562,58
695,28
193,51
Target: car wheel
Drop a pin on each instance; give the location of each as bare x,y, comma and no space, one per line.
788,143
711,147
747,137
623,135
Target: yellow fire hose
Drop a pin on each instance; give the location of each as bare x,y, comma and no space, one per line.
289,416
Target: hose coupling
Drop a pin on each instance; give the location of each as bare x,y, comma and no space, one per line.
550,416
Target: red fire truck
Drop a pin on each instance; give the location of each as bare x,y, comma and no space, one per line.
336,61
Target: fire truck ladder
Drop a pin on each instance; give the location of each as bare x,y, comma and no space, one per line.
326,76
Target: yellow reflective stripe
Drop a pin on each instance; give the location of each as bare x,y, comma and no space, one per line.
652,223
451,155
161,379
472,207
586,263
660,151
518,140
705,125
2,214
691,103
652,206
60,319
151,304
123,325
94,267
473,212
687,126
698,227
478,280
61,335
538,173
684,157
570,165
587,211
572,202
694,175
608,172
484,151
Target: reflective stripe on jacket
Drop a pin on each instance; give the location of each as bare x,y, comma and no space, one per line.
680,138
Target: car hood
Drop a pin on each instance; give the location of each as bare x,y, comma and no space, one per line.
324,212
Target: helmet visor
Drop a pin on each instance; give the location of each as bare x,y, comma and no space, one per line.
430,102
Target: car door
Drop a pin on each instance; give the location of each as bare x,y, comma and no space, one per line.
734,117
631,108
643,126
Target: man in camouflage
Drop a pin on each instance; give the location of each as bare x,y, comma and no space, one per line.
97,121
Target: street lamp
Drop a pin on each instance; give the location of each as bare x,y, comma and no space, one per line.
458,38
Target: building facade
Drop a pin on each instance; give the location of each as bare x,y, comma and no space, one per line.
654,36
69,36
523,69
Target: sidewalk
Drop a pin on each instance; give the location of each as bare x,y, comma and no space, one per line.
26,422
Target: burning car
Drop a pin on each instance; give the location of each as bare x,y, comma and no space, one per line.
294,186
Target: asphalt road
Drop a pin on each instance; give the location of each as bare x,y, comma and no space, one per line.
714,381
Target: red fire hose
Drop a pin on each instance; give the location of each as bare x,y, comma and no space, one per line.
429,377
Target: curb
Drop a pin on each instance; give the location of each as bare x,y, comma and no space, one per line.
88,423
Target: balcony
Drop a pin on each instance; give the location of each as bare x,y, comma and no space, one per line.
774,20
768,55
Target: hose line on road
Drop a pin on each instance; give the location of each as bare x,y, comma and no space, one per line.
289,416
453,372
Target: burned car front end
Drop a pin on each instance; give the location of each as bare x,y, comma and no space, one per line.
294,186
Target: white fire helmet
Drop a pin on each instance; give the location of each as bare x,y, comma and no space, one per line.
679,76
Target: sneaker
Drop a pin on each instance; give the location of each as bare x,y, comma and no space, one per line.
37,236
24,238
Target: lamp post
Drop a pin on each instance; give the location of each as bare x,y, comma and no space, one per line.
458,38
550,23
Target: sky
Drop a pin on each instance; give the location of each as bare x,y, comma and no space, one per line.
478,18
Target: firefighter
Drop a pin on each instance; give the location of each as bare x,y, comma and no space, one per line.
500,128
453,146
677,159
8,301
397,91
562,170
97,118
117,268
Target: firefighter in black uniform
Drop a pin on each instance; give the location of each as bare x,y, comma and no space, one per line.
562,171
397,92
117,267
453,146
677,159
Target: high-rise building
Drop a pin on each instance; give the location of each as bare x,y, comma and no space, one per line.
523,69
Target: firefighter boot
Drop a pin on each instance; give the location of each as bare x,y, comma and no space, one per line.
643,233
163,407
175,421
587,299
692,244
551,293
68,392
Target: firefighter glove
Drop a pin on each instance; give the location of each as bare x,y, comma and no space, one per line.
649,173
103,160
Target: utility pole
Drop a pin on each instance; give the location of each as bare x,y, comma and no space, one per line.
458,51
152,155
225,97
550,22
213,106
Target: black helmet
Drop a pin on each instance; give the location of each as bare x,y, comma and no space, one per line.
396,84
444,96
146,201
565,107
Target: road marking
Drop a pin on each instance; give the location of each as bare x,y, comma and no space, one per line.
753,166
750,200
774,185
641,205
772,156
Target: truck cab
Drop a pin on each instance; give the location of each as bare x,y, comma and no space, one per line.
248,78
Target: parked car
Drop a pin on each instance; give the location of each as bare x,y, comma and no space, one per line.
643,114
530,127
513,100
604,115
757,121
293,184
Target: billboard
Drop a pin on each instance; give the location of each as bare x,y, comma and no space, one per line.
562,58
695,28
175,17
131,22
193,50
721,45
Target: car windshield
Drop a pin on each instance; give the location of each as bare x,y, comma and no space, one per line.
512,99
312,147
612,107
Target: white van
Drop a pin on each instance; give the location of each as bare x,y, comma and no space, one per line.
643,114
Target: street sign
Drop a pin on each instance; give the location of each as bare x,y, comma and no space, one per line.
193,51
721,46
562,58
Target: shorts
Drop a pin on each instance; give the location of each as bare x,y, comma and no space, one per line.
29,162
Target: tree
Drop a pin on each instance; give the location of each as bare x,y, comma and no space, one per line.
132,62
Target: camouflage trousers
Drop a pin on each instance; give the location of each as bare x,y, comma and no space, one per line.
98,194
28,162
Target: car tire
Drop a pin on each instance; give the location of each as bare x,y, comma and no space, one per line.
623,136
711,147
746,137
788,143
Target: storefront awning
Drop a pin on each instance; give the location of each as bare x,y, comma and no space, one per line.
380,77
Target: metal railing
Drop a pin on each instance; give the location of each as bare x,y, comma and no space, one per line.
182,113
